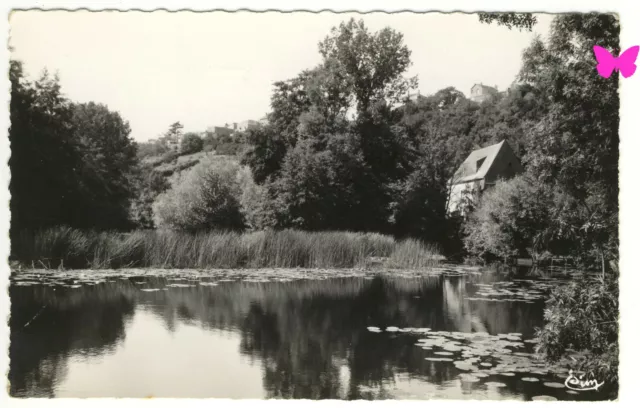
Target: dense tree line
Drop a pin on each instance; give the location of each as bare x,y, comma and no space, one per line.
344,149
571,150
567,203
71,163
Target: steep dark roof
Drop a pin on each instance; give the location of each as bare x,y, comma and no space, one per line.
468,171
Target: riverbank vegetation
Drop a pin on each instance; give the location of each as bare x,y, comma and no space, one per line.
583,316
64,247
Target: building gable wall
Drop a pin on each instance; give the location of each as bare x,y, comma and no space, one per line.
506,165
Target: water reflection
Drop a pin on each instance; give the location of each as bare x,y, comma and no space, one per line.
301,339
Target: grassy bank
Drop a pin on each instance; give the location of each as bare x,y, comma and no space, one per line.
72,249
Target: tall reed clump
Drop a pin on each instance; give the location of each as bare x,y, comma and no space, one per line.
69,248
413,254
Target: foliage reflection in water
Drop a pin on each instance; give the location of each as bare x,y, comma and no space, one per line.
358,337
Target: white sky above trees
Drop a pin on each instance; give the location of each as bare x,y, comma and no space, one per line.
206,69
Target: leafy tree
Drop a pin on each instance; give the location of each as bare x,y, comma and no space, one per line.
372,64
575,144
45,161
583,316
207,198
310,143
175,129
108,162
435,132
230,149
149,184
513,219
321,92
383,148
256,204
316,188
521,21
441,124
419,204
152,148
191,143
71,163
209,141
173,134
509,117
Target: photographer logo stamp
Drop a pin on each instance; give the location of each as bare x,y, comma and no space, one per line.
579,383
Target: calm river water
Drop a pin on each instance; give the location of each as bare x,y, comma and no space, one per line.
461,334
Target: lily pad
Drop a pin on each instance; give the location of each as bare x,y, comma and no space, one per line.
443,353
507,374
539,372
464,367
530,379
392,329
438,359
554,385
149,290
495,384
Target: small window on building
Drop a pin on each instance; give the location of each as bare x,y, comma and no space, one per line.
479,163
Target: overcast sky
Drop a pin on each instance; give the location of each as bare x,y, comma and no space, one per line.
206,69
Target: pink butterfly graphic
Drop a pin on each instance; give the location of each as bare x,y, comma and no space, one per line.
607,63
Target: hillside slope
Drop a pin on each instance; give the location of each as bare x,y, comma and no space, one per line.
173,165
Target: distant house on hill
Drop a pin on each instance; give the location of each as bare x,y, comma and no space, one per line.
480,93
232,129
220,131
415,97
247,124
481,170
